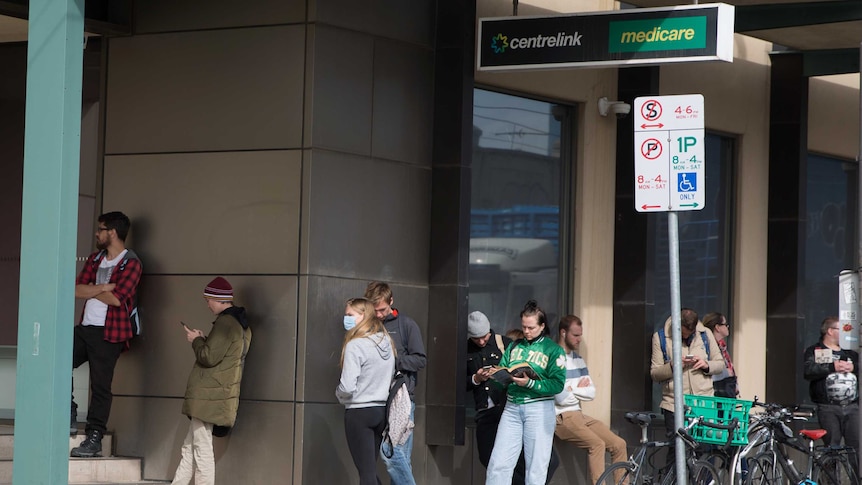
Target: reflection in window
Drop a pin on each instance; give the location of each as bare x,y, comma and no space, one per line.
515,213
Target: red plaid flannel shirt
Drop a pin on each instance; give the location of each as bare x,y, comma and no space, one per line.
118,328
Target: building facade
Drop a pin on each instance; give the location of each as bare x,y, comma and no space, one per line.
303,149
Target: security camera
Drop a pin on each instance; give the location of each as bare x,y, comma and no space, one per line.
619,108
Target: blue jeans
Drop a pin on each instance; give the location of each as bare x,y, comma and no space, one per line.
399,468
530,426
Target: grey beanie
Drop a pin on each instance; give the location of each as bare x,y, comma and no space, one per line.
477,325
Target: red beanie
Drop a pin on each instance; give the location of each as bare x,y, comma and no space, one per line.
219,290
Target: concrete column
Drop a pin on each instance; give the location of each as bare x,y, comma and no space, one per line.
48,240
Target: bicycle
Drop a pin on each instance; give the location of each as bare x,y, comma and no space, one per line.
772,465
634,471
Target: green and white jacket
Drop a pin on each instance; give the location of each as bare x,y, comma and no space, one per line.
545,357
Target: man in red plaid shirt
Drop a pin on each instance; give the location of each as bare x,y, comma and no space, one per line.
108,282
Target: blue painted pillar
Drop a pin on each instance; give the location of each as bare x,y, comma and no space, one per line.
48,239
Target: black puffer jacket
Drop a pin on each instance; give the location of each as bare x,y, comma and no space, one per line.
478,357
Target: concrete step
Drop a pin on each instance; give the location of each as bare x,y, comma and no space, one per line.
7,444
92,470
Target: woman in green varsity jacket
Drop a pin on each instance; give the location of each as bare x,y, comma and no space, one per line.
528,418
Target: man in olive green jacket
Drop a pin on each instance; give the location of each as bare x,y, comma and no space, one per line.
212,392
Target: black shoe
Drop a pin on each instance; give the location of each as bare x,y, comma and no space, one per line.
90,447
73,425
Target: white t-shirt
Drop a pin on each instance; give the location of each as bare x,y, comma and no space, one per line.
95,311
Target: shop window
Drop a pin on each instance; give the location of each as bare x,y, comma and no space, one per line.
705,238
830,245
517,233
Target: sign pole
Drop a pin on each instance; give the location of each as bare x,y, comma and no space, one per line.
676,336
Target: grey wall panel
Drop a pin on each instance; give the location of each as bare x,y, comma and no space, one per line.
324,456
454,464
321,331
366,218
205,91
210,213
321,334
155,428
403,102
339,90
407,21
160,360
173,15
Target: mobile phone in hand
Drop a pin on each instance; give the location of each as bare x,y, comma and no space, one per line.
689,357
487,367
184,325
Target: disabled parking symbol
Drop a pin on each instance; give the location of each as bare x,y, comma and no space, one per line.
686,181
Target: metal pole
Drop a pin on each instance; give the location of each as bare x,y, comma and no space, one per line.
52,146
676,358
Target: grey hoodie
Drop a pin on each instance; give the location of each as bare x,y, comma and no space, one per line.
367,372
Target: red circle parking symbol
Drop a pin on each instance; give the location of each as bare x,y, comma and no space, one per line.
651,148
651,110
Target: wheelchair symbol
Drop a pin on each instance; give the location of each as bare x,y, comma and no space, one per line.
687,182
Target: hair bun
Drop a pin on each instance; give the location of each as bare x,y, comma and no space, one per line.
531,305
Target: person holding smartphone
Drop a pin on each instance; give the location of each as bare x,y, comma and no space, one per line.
212,392
702,359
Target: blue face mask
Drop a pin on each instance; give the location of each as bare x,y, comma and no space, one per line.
349,322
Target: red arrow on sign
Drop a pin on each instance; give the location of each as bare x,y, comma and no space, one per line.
645,126
645,207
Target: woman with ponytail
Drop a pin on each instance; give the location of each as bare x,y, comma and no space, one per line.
529,419
367,365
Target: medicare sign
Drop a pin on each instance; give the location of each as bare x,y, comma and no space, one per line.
638,37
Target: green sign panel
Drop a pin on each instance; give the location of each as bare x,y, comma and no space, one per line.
657,34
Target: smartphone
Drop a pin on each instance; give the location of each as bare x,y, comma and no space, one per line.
487,367
184,325
689,357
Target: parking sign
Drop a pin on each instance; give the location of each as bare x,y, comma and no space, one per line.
669,153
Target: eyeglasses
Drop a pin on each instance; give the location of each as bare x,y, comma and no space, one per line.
100,229
834,328
726,324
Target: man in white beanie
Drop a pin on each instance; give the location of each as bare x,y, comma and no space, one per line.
485,348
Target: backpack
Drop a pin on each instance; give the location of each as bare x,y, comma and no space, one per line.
134,314
663,343
398,408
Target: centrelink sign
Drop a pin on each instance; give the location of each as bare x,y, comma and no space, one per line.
612,38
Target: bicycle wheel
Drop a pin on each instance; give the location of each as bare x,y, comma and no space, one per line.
721,461
699,473
762,470
834,470
620,473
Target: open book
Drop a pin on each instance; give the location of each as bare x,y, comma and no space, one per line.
503,375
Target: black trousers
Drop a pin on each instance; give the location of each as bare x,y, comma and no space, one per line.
364,430
486,433
89,346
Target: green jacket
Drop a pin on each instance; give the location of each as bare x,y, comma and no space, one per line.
212,392
547,358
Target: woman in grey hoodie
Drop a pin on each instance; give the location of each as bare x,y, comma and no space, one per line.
367,365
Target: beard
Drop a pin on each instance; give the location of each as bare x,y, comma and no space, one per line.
101,245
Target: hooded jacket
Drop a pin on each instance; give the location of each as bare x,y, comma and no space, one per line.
212,392
410,350
697,382
367,372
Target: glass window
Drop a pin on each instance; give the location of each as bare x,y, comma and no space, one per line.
517,195
829,245
704,245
